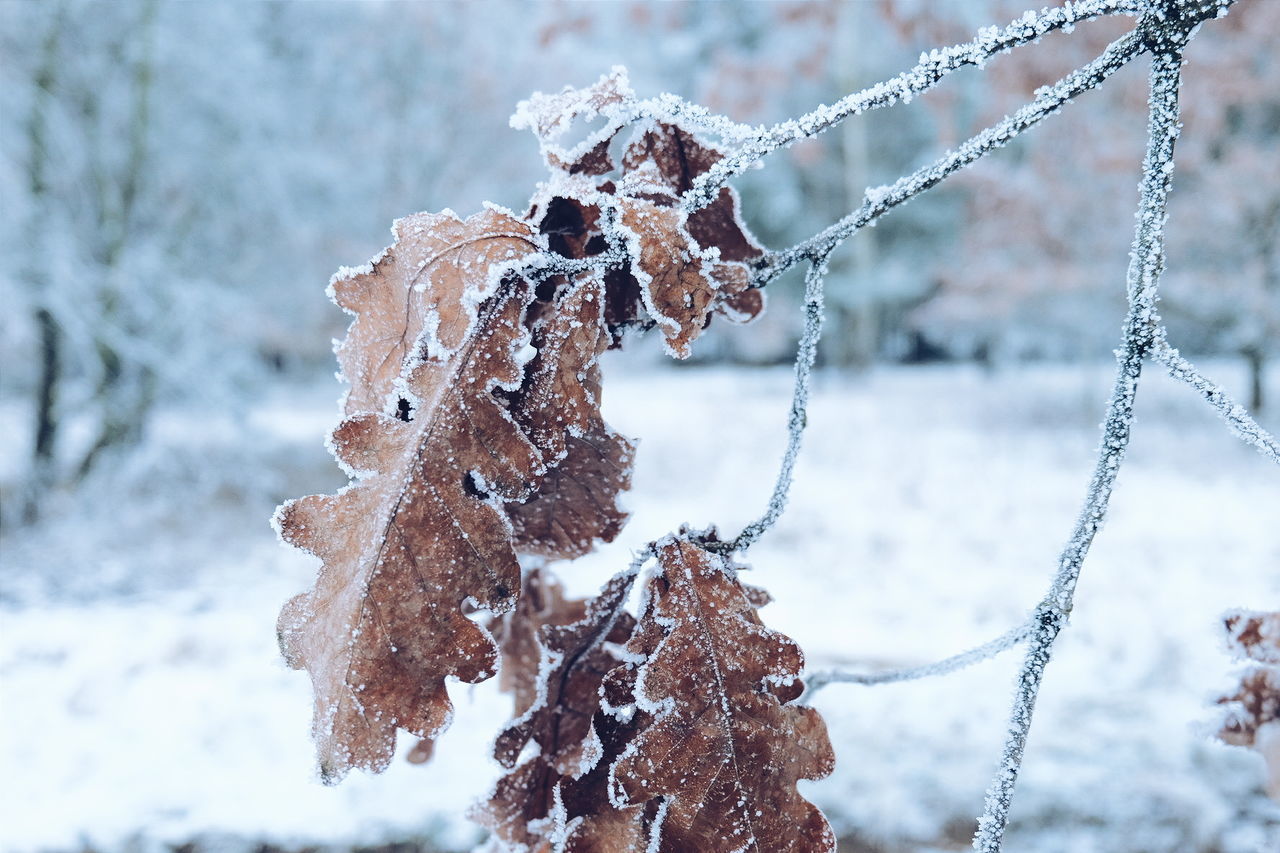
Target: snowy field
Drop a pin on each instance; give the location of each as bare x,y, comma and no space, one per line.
144,703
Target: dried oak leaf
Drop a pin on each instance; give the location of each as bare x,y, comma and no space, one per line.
420,532
724,743
550,790
1253,711
550,116
588,463
671,270
423,291
568,211
1254,635
669,159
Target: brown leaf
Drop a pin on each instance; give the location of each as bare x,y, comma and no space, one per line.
576,503
675,156
542,602
588,464
724,746
420,532
669,265
550,116
418,284
558,716
1254,635
658,168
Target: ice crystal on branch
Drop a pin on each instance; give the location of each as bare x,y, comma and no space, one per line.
473,433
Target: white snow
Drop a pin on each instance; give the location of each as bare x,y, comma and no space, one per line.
927,514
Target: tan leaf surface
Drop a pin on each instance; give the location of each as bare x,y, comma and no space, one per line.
659,166
1252,716
420,533
724,746
670,268
431,279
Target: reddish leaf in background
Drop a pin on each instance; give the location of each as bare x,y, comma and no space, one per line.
1253,710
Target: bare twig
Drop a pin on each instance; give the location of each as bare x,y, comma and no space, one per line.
819,679
933,66
1145,265
1236,416
798,418
880,200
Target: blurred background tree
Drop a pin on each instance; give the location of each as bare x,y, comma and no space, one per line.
179,181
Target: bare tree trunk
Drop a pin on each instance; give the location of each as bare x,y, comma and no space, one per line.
45,435
1256,358
125,390
857,338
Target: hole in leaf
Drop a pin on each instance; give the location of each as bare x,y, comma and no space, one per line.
471,487
404,410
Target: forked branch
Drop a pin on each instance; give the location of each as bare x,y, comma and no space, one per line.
933,67
1145,266
1237,416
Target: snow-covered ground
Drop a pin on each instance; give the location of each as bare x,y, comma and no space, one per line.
143,702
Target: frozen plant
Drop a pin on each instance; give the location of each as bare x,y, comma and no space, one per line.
473,435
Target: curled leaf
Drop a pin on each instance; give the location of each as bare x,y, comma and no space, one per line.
549,790
550,116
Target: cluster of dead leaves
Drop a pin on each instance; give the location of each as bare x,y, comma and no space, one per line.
1253,710
473,435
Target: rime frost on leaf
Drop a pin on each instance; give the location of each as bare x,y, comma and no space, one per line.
558,654
588,464
1254,635
1252,717
681,264
419,298
421,531
672,272
550,116
658,168
721,744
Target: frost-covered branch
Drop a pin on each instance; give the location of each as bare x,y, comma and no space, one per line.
815,681
880,200
1146,262
798,418
1236,416
932,67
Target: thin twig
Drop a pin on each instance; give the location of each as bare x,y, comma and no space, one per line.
1236,416
1146,262
932,67
798,418
880,200
819,679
